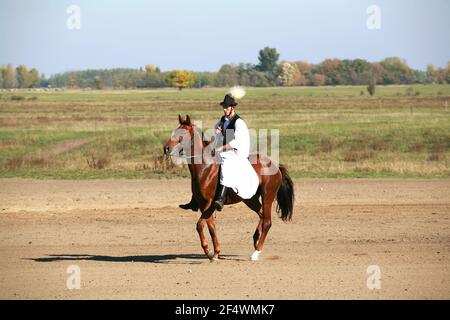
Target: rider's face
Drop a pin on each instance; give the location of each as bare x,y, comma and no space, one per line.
227,111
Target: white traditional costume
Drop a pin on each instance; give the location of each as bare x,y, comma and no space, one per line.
236,172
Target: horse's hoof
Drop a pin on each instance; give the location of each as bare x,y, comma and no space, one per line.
213,257
255,255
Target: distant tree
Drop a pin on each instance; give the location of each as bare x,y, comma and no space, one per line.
243,72
204,79
353,72
44,82
371,88
377,72
268,58
9,77
33,78
448,72
2,74
300,79
260,79
303,76
397,71
318,79
227,76
99,83
431,74
22,76
181,79
330,69
288,74
440,75
71,81
421,76
136,79
118,81
149,68
152,77
303,66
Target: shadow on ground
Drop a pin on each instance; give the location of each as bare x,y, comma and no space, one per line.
165,258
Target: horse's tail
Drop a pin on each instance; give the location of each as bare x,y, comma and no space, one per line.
285,195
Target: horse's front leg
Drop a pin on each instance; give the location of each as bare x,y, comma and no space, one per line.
212,231
200,226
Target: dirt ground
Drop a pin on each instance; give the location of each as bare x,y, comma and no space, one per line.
130,240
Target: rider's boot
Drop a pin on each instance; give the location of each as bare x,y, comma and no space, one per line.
193,205
221,195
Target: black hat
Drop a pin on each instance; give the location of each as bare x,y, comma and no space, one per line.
228,101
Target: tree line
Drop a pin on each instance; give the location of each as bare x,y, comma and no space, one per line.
269,71
20,77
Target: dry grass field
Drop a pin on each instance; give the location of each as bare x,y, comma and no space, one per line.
403,131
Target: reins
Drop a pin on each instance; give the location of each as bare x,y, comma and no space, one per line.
187,157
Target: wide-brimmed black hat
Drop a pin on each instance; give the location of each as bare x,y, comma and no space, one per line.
228,101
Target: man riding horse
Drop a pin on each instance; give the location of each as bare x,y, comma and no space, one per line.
236,171
256,180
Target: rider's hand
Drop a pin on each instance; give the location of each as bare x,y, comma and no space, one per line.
218,130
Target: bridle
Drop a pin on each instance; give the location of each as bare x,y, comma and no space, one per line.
172,154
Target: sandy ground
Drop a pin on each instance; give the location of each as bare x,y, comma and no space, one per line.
130,240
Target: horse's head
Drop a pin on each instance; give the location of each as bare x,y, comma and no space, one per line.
180,141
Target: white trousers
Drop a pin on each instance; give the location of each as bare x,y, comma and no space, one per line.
237,173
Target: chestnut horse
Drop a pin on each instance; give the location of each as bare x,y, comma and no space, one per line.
204,182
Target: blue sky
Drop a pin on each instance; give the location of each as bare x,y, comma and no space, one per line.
202,35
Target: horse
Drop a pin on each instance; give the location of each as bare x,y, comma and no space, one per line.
189,139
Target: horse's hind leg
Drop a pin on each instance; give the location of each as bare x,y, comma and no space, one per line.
257,233
212,231
266,224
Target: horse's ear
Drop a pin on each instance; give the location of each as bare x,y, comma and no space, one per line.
179,118
188,119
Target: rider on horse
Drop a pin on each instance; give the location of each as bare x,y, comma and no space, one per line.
234,151
256,183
